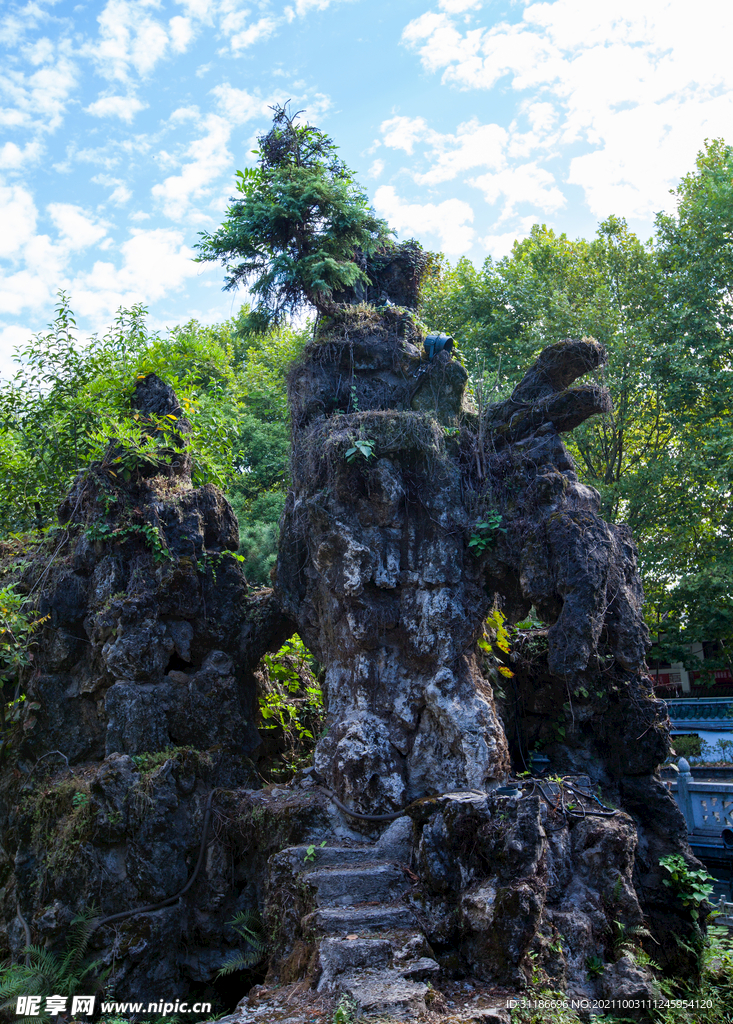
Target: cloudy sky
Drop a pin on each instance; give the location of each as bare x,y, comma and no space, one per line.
123,122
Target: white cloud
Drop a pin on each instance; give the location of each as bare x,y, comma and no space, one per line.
239,106
120,192
129,39
39,52
376,169
13,157
447,219
42,274
14,26
124,107
18,217
38,100
403,132
23,290
11,337
154,263
525,183
209,158
258,30
198,8
303,7
473,145
636,84
120,195
241,30
181,31
77,228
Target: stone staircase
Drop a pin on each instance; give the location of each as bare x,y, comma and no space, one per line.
370,944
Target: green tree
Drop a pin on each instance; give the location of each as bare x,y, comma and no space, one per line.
65,402
262,449
300,225
694,363
662,459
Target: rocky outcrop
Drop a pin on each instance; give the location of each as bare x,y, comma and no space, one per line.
140,711
129,790
412,516
376,571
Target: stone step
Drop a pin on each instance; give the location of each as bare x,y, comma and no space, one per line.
419,970
347,886
339,957
330,856
386,992
393,846
359,919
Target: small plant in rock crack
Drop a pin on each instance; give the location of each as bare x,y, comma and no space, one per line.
692,888
310,853
247,924
363,447
626,938
486,533
594,966
46,972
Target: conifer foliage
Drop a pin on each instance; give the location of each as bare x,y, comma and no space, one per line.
301,221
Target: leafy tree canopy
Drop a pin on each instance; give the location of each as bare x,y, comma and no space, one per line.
301,222
662,460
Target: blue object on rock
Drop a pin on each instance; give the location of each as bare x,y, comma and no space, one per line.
435,343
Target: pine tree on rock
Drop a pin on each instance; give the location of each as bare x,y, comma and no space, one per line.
300,227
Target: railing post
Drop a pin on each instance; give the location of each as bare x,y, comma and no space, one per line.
683,792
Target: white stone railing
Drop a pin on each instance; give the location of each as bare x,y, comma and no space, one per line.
707,806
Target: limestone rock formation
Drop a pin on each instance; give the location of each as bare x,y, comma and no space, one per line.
376,573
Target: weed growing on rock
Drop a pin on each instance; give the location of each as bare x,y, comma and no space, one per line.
310,853
118,534
362,447
62,819
692,888
345,1012
486,533
148,761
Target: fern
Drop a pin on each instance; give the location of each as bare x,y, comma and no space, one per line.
247,924
626,938
46,973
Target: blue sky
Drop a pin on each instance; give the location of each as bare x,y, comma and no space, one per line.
123,122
